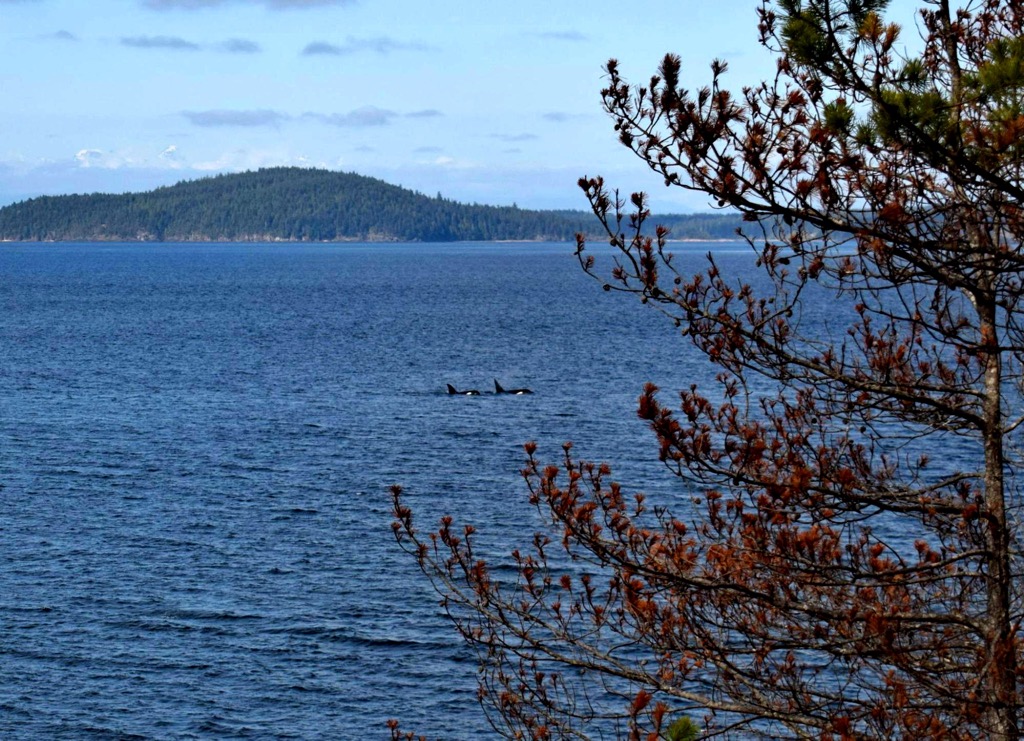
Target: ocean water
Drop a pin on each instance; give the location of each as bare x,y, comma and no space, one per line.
196,446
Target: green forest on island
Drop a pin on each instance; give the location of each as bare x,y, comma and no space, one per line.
299,204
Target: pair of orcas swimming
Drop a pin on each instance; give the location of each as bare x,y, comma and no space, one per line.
498,389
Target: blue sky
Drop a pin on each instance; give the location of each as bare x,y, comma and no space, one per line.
488,102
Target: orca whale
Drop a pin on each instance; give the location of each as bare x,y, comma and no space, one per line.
498,389
467,392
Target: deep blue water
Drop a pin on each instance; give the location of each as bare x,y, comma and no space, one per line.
196,445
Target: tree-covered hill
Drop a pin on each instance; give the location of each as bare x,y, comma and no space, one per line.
297,204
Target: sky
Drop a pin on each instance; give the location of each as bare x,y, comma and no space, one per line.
480,101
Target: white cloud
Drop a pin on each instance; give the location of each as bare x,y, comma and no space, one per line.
168,159
99,159
90,158
239,160
171,159
446,162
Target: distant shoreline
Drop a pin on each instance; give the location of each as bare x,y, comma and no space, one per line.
310,205
684,240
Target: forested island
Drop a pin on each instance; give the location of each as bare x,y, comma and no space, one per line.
299,204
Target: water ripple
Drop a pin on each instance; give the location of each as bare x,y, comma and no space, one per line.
196,445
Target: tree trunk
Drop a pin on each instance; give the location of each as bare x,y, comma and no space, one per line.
1002,661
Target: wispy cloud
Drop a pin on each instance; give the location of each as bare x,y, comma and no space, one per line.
512,138
235,118
562,36
175,43
239,46
272,4
364,117
367,116
559,117
321,47
428,113
378,45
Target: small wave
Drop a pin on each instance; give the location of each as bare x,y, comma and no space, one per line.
112,733
169,626
22,608
347,635
315,690
471,434
221,727
393,642
10,710
245,468
303,630
192,614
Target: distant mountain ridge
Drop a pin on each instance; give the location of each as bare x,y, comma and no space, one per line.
299,204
